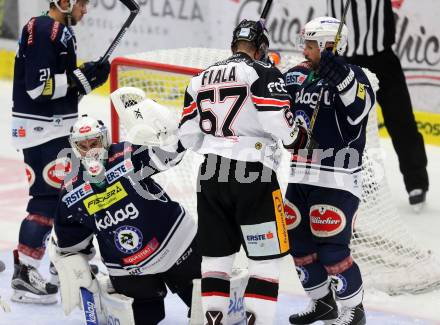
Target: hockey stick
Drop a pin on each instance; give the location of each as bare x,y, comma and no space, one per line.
89,307
134,10
265,12
321,93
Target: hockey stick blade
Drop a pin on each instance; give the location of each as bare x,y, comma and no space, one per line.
89,307
134,10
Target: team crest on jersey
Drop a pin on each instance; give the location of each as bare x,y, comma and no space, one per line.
128,239
30,174
55,171
326,220
119,170
302,119
77,194
293,216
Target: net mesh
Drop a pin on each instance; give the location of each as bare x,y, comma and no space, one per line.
389,257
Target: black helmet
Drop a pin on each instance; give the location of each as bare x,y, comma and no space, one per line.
251,31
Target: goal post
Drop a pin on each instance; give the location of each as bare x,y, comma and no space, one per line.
389,256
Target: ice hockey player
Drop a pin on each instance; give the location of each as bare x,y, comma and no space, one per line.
146,239
234,113
325,185
47,83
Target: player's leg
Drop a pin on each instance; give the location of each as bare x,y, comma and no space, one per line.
260,214
148,292
331,219
45,175
179,278
218,239
311,272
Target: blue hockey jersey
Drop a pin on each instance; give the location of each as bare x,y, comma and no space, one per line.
44,107
340,129
139,228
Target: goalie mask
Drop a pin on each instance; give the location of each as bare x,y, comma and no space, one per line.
323,30
90,140
254,32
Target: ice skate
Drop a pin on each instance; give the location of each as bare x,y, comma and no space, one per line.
29,286
351,316
324,309
417,199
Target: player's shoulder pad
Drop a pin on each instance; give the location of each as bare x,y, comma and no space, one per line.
298,74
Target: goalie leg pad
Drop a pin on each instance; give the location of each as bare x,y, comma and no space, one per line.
262,290
74,273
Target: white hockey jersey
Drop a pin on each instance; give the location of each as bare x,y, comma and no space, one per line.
238,109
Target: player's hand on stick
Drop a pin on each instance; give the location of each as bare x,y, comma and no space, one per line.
334,70
90,75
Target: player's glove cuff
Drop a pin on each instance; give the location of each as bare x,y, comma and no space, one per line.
346,83
81,81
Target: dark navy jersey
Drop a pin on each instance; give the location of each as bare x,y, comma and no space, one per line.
139,228
44,107
340,128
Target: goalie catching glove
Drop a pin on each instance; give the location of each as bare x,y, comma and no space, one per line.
147,122
74,273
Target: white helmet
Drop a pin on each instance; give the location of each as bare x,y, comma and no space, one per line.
323,30
68,11
89,128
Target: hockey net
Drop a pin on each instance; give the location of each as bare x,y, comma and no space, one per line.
389,257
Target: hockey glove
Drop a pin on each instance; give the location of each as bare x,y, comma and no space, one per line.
334,70
89,76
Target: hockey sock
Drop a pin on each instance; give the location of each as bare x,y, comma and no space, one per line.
261,293
215,283
348,282
313,276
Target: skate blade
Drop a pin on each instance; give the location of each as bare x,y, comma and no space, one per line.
417,208
30,298
329,321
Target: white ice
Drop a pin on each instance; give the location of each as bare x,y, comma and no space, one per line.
381,308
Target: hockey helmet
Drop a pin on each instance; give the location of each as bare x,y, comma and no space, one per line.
323,30
251,31
68,11
87,128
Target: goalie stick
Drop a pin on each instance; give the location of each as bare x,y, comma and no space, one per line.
321,93
134,10
89,307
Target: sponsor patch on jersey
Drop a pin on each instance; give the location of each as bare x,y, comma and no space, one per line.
48,87
30,30
30,174
283,237
295,78
19,133
143,254
121,169
293,216
128,239
100,201
65,37
361,91
77,194
261,239
55,29
326,220
129,212
55,171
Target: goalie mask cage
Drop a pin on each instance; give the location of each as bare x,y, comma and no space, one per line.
389,257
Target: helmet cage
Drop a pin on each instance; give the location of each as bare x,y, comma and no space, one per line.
87,128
